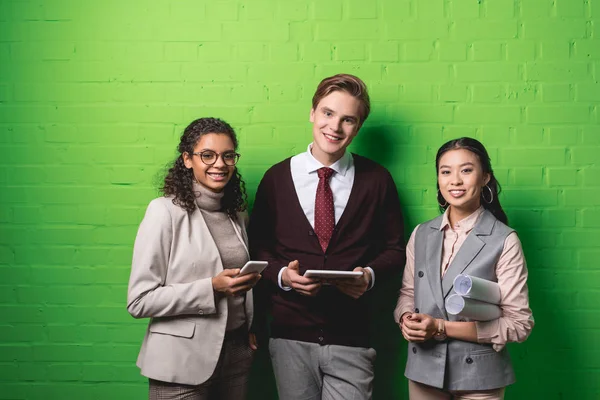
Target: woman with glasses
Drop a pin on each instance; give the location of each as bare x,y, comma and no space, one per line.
187,256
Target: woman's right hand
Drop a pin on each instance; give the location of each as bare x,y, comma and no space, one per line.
230,284
403,319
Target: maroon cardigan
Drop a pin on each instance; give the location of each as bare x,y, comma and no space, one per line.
369,233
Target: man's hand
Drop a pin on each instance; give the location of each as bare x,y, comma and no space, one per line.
418,327
353,287
305,286
229,284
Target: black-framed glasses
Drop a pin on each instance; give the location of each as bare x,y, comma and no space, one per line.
210,157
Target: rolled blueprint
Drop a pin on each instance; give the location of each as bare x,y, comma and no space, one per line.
477,288
472,309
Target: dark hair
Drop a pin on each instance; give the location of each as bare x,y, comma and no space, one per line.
347,83
475,147
179,181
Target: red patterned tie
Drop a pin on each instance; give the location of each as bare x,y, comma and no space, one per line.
324,211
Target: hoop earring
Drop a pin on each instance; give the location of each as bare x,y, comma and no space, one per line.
491,195
439,194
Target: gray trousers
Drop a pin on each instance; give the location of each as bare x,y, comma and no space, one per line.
309,371
228,382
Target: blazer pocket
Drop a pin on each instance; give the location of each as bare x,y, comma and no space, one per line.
178,328
489,350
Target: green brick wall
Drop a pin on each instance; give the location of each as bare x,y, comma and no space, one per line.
93,96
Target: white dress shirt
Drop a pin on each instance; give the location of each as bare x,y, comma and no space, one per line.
304,175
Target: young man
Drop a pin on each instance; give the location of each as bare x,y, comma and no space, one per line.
326,209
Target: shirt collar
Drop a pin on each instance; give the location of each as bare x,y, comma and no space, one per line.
465,224
340,167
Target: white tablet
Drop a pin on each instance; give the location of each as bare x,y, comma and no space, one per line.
253,266
331,274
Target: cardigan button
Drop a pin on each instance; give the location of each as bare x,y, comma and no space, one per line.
421,274
417,310
414,350
469,360
201,312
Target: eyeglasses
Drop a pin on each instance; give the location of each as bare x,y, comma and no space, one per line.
210,157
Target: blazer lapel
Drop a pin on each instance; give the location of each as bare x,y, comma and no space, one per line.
435,241
468,251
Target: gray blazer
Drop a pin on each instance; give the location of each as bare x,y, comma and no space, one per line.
174,261
455,364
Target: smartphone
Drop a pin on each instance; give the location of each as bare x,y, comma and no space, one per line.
253,266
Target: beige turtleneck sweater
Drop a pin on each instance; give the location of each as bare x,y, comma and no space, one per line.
231,249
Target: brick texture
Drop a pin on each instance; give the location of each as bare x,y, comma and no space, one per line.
93,96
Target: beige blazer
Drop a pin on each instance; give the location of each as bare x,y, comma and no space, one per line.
174,261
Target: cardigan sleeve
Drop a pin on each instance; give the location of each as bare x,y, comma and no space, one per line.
148,295
391,256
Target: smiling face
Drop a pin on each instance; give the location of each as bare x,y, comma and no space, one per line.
215,176
336,121
461,180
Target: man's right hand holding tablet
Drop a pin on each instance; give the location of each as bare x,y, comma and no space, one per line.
305,286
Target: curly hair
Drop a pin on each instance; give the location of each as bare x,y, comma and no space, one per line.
179,181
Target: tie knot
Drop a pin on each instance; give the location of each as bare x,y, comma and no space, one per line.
325,173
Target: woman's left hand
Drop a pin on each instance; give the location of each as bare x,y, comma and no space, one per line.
418,327
252,342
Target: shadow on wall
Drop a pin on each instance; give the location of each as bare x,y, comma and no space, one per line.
385,144
544,357
381,143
